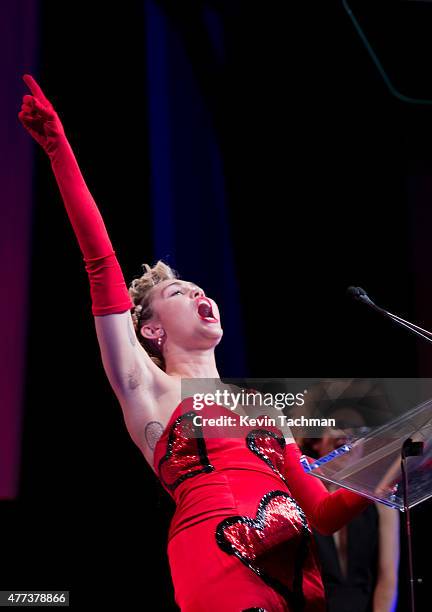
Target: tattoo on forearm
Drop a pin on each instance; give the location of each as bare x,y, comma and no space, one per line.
132,336
153,432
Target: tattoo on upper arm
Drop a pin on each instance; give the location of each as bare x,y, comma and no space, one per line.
153,432
132,335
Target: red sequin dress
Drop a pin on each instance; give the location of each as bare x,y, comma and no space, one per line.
239,540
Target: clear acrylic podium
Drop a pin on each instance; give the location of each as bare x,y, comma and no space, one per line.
371,465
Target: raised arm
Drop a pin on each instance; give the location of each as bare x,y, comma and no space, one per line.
123,357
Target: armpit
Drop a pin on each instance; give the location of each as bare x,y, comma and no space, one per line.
135,377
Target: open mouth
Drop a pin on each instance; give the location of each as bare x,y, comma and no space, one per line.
205,310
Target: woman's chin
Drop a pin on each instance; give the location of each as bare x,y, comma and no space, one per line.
213,333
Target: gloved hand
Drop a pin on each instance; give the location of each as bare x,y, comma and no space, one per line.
39,117
108,289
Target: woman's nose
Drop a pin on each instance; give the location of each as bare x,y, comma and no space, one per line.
197,292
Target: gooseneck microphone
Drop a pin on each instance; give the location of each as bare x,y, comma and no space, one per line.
360,295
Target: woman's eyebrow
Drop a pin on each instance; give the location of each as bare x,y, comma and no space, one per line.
180,284
170,285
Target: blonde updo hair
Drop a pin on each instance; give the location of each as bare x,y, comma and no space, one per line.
140,293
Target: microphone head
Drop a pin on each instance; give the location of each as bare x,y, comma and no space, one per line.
360,294
356,292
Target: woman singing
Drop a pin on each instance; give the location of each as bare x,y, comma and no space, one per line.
240,538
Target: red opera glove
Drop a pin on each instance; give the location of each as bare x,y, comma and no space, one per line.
327,512
108,289
39,117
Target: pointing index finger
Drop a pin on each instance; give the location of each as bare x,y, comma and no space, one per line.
35,89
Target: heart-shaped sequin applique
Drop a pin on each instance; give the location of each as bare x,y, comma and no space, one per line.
268,446
274,544
186,454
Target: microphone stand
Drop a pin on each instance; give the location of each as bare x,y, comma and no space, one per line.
409,447
359,294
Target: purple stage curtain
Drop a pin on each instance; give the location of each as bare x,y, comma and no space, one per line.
18,53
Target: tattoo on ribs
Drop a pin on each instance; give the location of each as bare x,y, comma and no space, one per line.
153,432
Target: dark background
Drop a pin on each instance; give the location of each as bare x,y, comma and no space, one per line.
324,181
